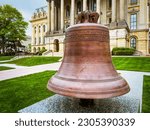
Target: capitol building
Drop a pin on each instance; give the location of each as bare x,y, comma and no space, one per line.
128,22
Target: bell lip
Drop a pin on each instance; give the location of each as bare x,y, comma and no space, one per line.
86,24
110,93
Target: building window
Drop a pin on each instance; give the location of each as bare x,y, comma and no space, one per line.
39,40
56,45
110,20
34,50
133,42
110,4
68,11
35,41
44,28
39,49
39,29
35,30
94,5
133,21
133,1
79,7
43,40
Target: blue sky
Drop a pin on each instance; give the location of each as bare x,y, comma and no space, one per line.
26,7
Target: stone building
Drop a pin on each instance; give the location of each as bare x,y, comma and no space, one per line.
128,22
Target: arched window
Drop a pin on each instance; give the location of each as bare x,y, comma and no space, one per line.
34,50
133,42
35,30
79,6
56,45
35,40
39,29
39,49
44,28
67,11
39,40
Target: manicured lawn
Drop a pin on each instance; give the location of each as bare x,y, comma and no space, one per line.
120,63
31,61
5,58
5,68
132,63
146,95
21,92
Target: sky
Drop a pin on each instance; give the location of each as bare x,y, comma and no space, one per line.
26,7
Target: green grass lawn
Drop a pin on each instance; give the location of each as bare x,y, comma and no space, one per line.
146,95
120,63
21,92
5,68
5,58
132,63
32,61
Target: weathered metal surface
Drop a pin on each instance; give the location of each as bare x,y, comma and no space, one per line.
87,71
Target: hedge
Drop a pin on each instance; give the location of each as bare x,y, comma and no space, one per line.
123,51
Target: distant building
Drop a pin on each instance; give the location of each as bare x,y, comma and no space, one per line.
39,28
128,22
27,44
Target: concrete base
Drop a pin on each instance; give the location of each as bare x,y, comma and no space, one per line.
61,104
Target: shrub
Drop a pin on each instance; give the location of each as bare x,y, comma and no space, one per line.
123,51
42,51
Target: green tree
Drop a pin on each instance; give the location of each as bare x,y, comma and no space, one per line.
12,26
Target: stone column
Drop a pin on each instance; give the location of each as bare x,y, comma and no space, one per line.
114,12
72,12
55,19
52,15
49,15
84,5
122,9
98,9
62,15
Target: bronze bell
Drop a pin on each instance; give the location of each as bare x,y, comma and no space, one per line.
87,71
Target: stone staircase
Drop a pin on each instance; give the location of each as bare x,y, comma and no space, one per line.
50,53
137,53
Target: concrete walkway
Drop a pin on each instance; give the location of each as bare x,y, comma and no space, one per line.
13,66
22,71
135,81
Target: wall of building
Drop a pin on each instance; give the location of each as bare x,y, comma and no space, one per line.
120,32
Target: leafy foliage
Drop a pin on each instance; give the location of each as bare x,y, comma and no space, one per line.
123,51
12,27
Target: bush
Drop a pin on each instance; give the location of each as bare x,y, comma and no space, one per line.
42,51
123,51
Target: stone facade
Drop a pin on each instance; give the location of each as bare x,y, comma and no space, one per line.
128,22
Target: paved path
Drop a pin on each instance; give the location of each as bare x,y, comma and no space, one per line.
13,66
22,71
135,81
